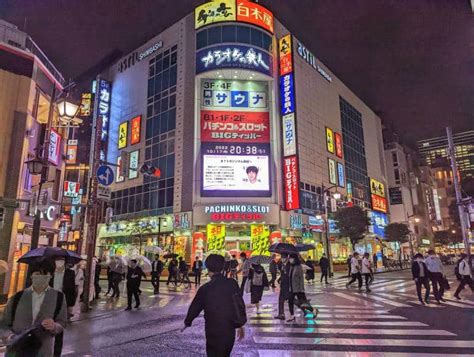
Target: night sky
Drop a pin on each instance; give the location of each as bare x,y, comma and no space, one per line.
411,61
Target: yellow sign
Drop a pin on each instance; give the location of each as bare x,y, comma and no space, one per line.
122,139
215,236
330,140
214,11
259,235
377,188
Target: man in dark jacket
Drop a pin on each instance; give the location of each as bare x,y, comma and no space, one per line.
273,270
134,278
197,271
172,271
420,274
216,298
156,270
284,286
324,265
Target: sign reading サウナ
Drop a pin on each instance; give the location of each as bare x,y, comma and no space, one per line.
289,135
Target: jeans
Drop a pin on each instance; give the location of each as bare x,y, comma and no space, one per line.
197,277
368,278
426,283
358,277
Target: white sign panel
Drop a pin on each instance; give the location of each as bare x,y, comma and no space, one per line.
289,135
54,148
133,172
104,192
436,204
238,173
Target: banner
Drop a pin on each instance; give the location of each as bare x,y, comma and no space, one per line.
135,130
215,236
291,182
330,140
122,137
289,135
259,236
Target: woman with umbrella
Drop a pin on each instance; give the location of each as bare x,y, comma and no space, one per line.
258,281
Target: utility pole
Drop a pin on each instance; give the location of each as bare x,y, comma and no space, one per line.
457,189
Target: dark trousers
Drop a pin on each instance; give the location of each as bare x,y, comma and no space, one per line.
155,281
244,280
220,345
368,278
109,280
301,298
426,283
116,278
437,282
58,344
97,288
282,297
172,276
133,290
465,280
274,276
197,277
358,277
324,274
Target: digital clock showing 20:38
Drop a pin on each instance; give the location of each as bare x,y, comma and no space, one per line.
235,149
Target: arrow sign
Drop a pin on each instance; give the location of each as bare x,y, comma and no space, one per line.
105,175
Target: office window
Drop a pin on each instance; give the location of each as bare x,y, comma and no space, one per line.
395,158
396,173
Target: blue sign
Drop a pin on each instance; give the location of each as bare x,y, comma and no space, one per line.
236,56
287,94
333,227
379,221
104,107
341,177
239,99
105,175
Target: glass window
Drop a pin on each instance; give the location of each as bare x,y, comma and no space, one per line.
174,58
166,80
243,34
228,34
256,37
173,76
161,198
172,101
214,35
267,42
172,119
158,66
170,166
166,62
169,196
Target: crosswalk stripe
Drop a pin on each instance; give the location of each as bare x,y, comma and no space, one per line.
279,353
343,322
385,300
345,316
353,331
356,300
336,310
283,340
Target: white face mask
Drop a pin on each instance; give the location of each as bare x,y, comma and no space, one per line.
40,282
59,263
292,260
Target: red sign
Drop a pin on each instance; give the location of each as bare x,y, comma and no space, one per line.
227,126
136,128
220,217
338,142
379,203
291,183
286,63
255,14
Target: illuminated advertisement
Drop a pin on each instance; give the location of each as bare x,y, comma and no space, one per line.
341,177
232,169
122,137
436,204
223,126
379,203
255,14
289,135
237,212
338,144
332,171
259,236
291,182
133,166
330,140
71,189
104,107
236,56
378,223
215,236
214,11
377,188
118,177
287,94
286,63
85,108
71,151
223,94
135,130
54,147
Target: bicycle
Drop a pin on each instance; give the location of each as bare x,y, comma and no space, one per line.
183,279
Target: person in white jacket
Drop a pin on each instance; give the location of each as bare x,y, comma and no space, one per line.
367,271
466,276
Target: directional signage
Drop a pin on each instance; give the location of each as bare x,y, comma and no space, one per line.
105,175
104,192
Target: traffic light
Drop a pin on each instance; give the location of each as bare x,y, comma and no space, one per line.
150,170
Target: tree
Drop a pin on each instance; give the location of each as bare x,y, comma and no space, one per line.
352,222
139,228
397,232
447,237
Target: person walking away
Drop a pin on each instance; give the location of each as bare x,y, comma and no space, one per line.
436,274
284,280
348,261
40,307
420,273
116,271
79,281
355,271
109,280
234,264
258,282
244,268
324,265
374,260
98,269
366,271
296,288
218,298
197,271
156,270
172,271
273,270
310,272
134,278
183,270
465,274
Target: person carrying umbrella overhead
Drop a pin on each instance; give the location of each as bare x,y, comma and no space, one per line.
134,278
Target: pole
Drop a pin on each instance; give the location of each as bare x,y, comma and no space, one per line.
326,231
457,189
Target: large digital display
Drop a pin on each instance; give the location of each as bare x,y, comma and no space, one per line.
235,168
378,223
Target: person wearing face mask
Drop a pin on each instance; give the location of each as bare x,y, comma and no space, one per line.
134,278
284,280
420,272
245,269
39,307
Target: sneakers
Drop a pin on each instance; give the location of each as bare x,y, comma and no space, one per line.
347,285
291,319
279,317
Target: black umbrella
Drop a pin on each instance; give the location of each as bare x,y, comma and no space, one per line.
170,256
283,248
304,247
49,253
233,264
261,259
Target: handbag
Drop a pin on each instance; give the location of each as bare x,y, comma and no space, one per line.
25,345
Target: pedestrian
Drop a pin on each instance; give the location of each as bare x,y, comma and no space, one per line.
116,272
348,262
218,298
297,294
234,264
156,270
374,260
244,268
97,288
324,265
309,275
134,278
284,280
172,271
197,271
40,307
109,280
355,271
64,280
79,281
366,271
436,274
184,270
273,270
465,274
420,274
258,281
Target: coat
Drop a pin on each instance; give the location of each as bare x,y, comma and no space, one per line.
69,286
284,280
273,267
134,277
256,291
415,269
23,318
324,263
296,279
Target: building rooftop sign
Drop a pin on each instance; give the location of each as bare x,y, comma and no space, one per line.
311,59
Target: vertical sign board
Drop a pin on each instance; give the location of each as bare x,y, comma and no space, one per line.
134,157
103,114
291,182
330,140
341,177
332,171
118,177
54,147
338,144
85,108
122,137
135,130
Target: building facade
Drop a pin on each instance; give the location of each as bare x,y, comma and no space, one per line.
249,130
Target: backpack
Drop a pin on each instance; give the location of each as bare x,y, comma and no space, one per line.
456,271
257,279
240,314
